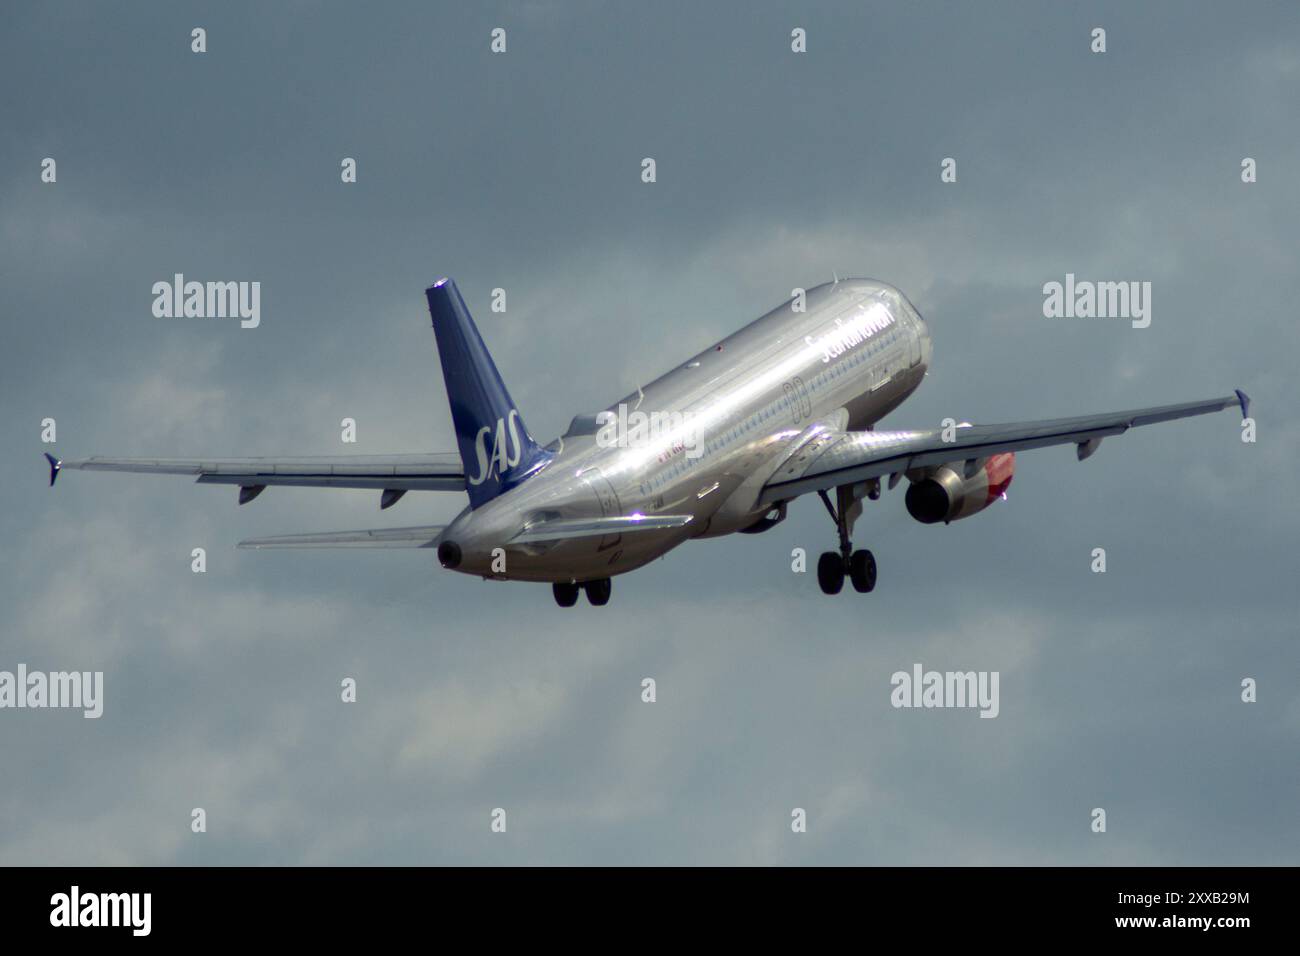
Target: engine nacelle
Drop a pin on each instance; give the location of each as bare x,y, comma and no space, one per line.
946,494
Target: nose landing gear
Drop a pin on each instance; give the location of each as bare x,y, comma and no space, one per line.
598,591
859,566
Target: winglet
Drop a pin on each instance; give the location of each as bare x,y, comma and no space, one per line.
55,465
1242,399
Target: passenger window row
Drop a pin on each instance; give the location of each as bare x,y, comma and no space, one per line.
836,370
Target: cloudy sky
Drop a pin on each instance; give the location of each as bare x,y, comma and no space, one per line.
1119,690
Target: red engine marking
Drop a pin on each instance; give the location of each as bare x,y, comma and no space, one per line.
1001,469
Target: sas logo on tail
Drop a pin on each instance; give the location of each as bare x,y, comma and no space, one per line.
507,449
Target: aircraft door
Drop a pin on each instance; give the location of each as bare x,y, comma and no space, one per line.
792,402
801,393
607,498
798,399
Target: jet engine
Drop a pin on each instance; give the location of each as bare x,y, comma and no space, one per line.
946,494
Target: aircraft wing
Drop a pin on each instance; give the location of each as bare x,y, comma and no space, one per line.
843,458
393,474
421,537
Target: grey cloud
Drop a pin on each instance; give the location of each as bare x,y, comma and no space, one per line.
1118,690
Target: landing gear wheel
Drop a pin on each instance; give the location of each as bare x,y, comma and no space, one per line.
566,595
830,572
862,571
860,566
598,591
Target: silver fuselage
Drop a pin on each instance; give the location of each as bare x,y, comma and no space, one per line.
747,404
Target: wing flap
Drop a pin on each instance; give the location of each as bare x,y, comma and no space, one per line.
857,456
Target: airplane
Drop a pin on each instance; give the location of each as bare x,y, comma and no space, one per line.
784,407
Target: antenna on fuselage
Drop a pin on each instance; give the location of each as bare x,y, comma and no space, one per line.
836,277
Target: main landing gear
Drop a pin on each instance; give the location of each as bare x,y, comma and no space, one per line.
598,591
859,566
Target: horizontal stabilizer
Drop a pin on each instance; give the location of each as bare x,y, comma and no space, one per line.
422,537
559,529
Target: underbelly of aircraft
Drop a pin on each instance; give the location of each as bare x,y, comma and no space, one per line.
584,559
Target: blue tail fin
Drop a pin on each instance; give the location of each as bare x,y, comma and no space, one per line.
495,448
